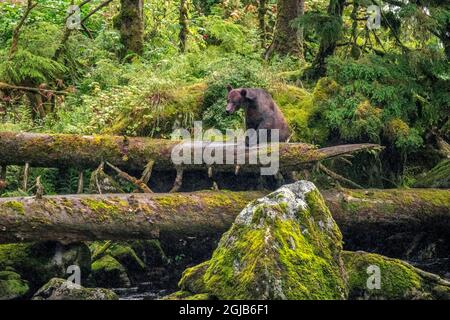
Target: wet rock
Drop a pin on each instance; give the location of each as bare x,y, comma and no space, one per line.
60,289
283,246
107,272
372,276
287,246
39,262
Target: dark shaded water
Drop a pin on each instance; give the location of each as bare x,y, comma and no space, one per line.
143,291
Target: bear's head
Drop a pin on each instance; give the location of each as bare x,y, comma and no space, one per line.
236,98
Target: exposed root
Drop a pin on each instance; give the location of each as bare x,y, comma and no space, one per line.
138,183
95,175
338,177
178,180
39,189
80,182
147,173
214,187
26,170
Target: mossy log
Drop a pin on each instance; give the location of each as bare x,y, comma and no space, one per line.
133,154
362,215
391,220
119,216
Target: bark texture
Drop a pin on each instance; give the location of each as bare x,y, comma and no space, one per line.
362,215
133,154
287,38
130,23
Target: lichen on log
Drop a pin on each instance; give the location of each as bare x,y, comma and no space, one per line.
366,217
133,154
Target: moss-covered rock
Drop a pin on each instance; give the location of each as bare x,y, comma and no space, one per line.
12,286
398,279
123,253
438,177
60,289
186,295
192,278
283,246
107,272
37,263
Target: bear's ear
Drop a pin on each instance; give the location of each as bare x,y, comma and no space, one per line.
243,93
229,87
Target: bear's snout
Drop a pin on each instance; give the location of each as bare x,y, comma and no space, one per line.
230,108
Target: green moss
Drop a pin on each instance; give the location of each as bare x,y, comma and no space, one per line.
35,261
186,295
167,106
192,278
275,254
14,205
109,273
104,209
438,177
299,109
391,201
12,286
399,280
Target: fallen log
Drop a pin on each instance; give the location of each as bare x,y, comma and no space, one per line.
133,154
361,213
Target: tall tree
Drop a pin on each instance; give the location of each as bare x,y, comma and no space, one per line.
329,39
288,39
262,10
130,23
183,25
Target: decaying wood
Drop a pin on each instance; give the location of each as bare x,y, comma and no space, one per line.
132,154
374,214
119,216
178,180
338,177
26,169
31,89
138,183
80,187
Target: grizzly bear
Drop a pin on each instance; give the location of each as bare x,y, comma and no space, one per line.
261,112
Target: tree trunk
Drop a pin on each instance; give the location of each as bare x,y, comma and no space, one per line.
327,44
16,33
130,23
262,10
119,216
133,154
183,25
361,214
287,39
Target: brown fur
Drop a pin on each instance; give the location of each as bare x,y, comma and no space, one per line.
261,112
